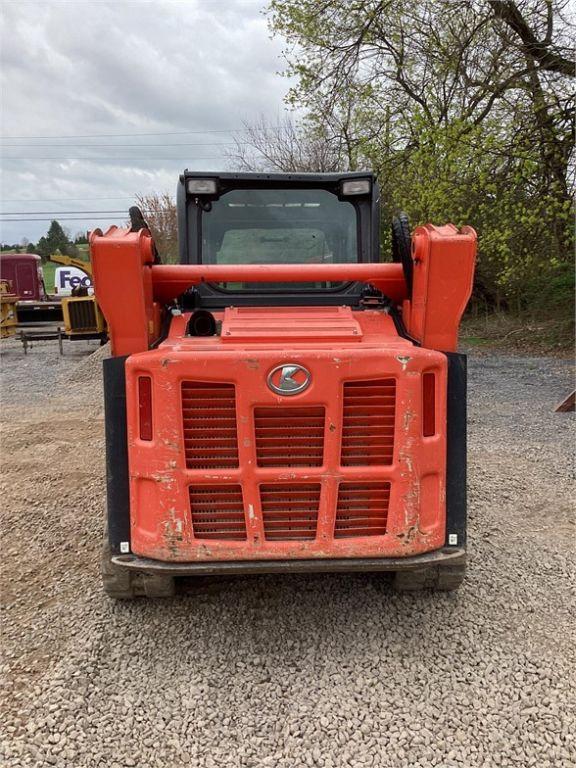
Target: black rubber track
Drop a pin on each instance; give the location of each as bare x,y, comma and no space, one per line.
439,578
121,584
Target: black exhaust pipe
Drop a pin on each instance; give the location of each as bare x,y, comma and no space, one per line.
201,323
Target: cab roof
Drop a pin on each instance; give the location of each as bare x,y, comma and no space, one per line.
306,178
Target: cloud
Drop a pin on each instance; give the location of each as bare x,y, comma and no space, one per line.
87,69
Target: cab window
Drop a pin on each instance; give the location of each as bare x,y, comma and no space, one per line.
279,226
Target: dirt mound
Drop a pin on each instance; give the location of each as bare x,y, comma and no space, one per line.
89,369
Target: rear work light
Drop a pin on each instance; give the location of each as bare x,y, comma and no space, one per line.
145,407
202,186
428,404
356,187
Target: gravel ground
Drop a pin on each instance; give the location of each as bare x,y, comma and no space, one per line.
38,373
288,671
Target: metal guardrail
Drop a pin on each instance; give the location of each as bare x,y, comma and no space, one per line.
53,334
45,335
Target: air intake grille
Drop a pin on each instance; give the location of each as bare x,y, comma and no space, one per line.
289,437
368,422
290,511
209,420
362,509
82,315
217,512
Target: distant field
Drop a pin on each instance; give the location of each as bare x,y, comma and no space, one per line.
49,269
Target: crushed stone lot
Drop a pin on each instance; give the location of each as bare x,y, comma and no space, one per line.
329,670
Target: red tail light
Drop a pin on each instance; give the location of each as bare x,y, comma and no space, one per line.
145,407
428,404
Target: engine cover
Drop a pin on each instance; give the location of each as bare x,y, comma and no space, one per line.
296,433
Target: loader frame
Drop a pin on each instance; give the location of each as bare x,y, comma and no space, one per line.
407,325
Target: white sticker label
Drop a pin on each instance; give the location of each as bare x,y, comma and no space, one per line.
452,539
124,547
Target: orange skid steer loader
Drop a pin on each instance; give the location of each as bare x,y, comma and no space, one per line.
282,401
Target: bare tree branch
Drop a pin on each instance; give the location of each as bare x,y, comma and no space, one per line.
160,215
540,51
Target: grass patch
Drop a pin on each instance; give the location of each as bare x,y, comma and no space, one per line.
48,270
516,334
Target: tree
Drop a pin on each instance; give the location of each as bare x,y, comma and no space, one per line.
160,214
464,109
286,146
541,50
55,239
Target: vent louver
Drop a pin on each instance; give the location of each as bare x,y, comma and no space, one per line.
82,315
217,512
289,437
368,422
362,509
209,421
290,511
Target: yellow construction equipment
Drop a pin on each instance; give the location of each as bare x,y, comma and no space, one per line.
82,316
8,301
81,313
70,261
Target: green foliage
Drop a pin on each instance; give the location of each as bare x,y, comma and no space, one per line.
55,239
456,175
458,121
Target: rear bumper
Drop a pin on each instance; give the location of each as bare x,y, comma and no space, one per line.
439,558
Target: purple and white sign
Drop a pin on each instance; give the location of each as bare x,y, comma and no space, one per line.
68,278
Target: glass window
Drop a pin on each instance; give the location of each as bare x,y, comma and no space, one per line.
279,226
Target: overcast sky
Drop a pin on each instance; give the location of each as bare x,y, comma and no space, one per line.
187,72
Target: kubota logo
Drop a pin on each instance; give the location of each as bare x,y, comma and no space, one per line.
289,379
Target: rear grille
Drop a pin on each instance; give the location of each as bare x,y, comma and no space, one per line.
209,421
82,315
289,437
362,509
368,422
217,512
290,511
